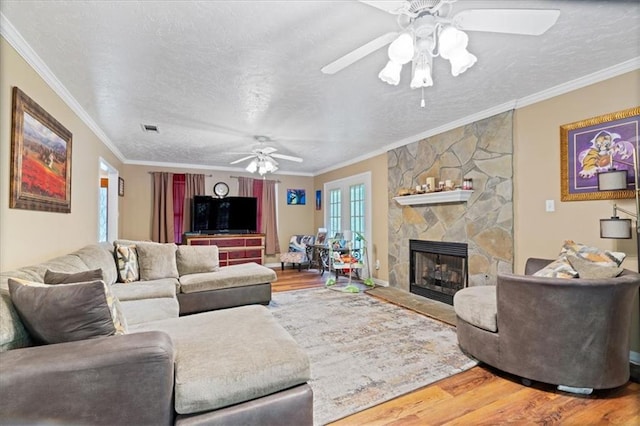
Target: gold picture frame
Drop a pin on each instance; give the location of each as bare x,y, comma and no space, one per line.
40,158
587,147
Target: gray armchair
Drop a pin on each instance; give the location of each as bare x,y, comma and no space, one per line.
569,332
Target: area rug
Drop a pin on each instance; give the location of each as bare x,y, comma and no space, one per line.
365,351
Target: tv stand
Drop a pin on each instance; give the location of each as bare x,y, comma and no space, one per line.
233,248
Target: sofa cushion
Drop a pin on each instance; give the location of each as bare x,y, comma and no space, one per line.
55,277
145,310
478,306
227,276
230,356
127,260
559,268
97,256
167,287
67,263
157,261
197,259
66,312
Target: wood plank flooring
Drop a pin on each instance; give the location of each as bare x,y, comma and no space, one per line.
485,396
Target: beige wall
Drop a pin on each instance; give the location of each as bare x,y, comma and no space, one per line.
136,205
26,236
537,176
379,205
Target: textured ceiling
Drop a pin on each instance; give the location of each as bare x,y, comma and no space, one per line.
212,74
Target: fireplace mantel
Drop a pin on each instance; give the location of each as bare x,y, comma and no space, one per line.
455,196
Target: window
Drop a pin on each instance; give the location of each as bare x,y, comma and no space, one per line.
103,212
348,206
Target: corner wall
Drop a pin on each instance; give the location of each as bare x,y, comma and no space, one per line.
27,236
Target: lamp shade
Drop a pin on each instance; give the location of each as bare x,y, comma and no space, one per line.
612,180
421,75
453,46
401,50
615,228
391,73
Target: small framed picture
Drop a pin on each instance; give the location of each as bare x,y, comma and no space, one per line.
296,197
121,187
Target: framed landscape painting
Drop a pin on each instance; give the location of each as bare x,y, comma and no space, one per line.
596,145
40,158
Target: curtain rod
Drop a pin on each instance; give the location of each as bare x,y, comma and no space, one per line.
177,174
236,177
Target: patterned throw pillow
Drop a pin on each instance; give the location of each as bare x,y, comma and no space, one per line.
594,270
559,268
592,254
67,312
127,258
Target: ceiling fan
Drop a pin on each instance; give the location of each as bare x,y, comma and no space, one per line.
428,29
263,158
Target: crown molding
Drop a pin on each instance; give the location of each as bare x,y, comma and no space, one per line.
15,39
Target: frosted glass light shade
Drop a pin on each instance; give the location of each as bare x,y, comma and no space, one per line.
252,166
453,46
391,73
421,76
401,50
615,228
612,180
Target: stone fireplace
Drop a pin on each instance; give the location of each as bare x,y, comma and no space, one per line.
482,151
437,270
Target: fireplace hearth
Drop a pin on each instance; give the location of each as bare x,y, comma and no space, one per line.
438,269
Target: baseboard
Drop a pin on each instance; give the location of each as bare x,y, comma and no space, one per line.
634,364
381,283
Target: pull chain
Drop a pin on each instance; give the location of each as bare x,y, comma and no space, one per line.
422,103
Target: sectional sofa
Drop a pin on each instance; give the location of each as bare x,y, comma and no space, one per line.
155,350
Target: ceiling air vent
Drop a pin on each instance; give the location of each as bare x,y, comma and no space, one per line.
150,128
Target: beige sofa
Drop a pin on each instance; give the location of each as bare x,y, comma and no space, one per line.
229,366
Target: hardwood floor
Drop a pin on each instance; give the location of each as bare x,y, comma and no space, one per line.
485,396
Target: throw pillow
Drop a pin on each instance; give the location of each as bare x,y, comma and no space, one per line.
197,259
53,277
588,269
592,254
127,259
157,261
67,312
559,268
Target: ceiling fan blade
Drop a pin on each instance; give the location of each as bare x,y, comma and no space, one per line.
391,6
268,150
512,21
359,53
287,157
242,159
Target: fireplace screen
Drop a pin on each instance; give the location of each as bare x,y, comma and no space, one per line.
438,269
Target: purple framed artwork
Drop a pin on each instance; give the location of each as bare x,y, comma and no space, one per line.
596,145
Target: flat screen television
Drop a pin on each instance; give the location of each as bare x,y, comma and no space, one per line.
233,215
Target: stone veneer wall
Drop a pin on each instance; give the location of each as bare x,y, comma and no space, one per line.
482,151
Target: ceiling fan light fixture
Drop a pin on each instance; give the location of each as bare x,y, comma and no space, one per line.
252,167
401,50
453,46
422,73
391,73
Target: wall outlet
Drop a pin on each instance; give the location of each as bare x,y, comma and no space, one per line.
550,206
377,264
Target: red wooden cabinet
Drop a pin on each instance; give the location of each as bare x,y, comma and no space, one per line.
233,248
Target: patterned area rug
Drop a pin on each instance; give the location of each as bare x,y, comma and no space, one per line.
365,351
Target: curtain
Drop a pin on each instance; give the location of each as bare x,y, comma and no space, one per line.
162,224
193,185
178,206
257,192
245,186
270,220
265,191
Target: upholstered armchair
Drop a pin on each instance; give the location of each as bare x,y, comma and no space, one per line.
569,332
297,254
